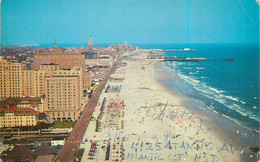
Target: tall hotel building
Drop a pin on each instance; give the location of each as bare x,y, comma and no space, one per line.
63,91
63,96
66,60
10,79
63,88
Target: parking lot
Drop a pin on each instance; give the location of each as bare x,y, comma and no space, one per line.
27,152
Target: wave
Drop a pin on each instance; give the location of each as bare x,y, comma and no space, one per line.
170,67
256,130
216,95
192,73
203,92
210,107
237,106
186,68
243,102
194,80
223,102
248,114
240,112
233,120
203,77
186,78
232,98
199,68
214,89
228,117
182,76
210,93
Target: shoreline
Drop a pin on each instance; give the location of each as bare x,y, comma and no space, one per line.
226,135
208,123
217,114
155,124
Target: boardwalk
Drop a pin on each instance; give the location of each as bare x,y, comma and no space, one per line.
70,148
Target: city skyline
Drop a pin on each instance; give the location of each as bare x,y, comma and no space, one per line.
113,21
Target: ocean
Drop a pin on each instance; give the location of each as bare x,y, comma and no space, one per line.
229,88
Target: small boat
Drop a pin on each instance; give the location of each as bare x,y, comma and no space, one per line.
201,108
243,134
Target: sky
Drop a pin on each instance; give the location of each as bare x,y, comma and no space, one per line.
134,21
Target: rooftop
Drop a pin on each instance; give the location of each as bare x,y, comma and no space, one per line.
25,111
19,111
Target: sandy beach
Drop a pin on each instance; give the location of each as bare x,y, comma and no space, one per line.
138,119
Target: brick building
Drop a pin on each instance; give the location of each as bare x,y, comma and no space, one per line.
66,60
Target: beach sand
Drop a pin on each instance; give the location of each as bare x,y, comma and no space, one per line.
154,124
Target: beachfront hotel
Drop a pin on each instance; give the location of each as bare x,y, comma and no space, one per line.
63,96
53,70
15,81
62,88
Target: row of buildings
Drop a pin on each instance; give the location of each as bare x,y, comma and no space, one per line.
53,85
58,76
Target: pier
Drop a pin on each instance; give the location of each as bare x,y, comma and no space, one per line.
184,59
180,50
